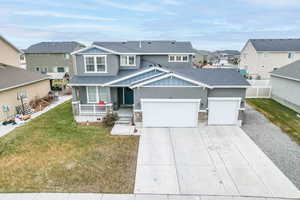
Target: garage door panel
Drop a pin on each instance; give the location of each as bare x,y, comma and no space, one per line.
170,114
223,111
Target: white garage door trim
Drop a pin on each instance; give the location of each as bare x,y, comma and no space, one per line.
155,113
212,120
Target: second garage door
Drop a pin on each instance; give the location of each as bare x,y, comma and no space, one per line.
223,111
170,112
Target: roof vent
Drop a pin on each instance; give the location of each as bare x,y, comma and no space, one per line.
149,42
140,44
123,42
173,42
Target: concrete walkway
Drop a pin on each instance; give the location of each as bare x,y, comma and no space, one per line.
94,196
6,129
209,160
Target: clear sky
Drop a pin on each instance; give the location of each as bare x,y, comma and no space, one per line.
208,24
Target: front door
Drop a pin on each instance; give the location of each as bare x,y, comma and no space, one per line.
128,96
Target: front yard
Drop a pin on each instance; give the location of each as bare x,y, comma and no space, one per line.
53,154
280,115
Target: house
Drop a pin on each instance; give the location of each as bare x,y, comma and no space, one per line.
286,85
10,54
261,56
16,82
52,58
153,82
202,57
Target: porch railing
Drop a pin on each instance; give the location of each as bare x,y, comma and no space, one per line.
95,109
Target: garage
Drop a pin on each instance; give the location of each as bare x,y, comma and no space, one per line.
170,112
223,111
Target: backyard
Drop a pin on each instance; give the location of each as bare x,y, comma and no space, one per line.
52,153
280,115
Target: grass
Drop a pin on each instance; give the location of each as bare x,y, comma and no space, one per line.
54,154
280,115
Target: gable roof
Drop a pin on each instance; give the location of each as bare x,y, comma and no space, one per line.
12,77
10,44
290,71
54,47
276,44
148,47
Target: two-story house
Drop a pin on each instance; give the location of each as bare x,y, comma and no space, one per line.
261,56
153,82
52,58
9,53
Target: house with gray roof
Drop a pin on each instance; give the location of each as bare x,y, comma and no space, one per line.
286,85
261,56
153,83
52,58
14,82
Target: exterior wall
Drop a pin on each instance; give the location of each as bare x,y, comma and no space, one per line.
113,62
9,55
286,92
170,93
248,60
163,60
228,92
9,97
256,63
49,61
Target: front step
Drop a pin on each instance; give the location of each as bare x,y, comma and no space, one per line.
124,120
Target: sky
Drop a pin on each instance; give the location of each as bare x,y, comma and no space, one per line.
208,24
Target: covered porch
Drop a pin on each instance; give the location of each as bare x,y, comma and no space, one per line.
97,101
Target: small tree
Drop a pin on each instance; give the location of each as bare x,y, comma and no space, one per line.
110,119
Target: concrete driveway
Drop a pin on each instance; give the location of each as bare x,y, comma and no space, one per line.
209,160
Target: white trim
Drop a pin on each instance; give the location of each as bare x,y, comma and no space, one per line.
169,75
172,100
135,74
178,61
23,84
127,59
171,86
294,79
231,86
224,98
95,63
93,46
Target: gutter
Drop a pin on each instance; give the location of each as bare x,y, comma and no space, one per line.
23,84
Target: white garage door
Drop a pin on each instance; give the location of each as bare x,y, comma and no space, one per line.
170,112
223,111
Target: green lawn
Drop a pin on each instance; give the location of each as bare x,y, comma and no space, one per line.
53,154
280,115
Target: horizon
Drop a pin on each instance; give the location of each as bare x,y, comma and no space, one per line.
208,25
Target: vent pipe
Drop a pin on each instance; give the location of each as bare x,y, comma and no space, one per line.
140,44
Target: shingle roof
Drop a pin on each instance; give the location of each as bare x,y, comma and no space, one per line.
291,71
276,44
156,46
54,47
11,77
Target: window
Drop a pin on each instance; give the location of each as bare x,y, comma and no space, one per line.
127,60
22,94
178,58
291,55
37,69
67,56
44,70
22,57
95,64
96,94
60,69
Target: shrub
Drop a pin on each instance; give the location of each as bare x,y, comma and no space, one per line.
110,119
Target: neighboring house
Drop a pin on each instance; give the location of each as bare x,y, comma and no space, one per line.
10,55
51,57
154,82
286,85
261,56
14,82
202,57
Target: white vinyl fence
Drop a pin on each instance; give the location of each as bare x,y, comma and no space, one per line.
259,89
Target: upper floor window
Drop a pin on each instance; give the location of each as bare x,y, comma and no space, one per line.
291,55
60,69
127,60
95,64
67,56
178,58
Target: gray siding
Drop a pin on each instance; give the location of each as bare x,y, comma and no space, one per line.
112,66
170,93
163,60
50,61
227,92
286,92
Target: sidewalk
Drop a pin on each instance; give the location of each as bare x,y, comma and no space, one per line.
6,129
94,196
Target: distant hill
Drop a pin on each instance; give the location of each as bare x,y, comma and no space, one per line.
231,52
